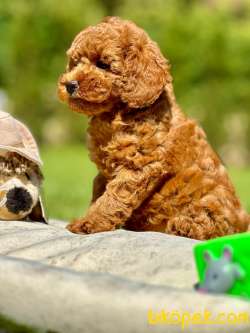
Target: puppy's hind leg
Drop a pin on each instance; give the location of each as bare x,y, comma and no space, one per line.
201,226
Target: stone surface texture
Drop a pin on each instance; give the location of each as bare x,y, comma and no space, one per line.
106,282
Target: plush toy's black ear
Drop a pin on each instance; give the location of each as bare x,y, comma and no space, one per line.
37,214
145,70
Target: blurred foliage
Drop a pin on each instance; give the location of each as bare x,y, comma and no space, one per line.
206,41
35,35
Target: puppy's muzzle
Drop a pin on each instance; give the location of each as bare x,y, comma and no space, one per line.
18,199
71,87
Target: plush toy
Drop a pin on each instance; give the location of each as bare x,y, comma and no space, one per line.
20,174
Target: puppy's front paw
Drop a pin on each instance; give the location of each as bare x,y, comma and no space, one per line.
79,227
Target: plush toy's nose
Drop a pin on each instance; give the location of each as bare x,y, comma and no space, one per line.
71,87
18,199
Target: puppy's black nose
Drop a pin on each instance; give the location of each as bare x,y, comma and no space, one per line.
18,199
71,87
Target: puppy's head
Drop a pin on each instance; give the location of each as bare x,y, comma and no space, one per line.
19,187
112,62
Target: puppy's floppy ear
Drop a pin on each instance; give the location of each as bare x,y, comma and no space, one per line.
145,70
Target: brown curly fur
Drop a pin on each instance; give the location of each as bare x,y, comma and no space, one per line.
156,170
13,164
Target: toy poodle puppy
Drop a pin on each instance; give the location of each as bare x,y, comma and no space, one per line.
157,171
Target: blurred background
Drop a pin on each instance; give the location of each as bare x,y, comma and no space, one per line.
206,41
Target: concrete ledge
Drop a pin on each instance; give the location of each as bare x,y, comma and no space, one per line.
107,282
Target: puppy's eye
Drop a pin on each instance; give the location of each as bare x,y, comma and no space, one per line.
72,64
102,65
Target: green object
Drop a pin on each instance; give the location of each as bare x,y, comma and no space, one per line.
223,265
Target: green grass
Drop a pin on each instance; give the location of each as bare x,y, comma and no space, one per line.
68,181
68,176
9,326
241,180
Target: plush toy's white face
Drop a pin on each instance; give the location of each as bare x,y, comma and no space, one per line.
19,193
18,196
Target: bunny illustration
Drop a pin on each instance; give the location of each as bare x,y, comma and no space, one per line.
221,273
